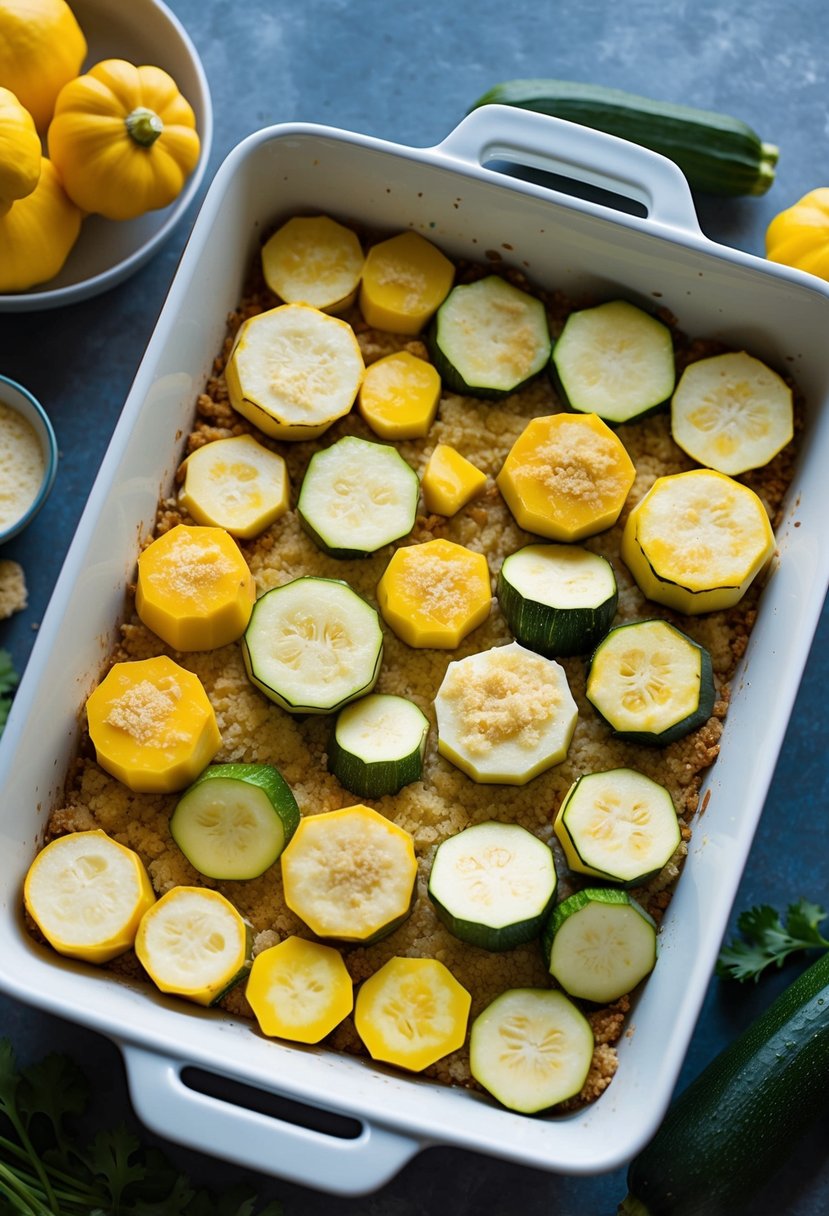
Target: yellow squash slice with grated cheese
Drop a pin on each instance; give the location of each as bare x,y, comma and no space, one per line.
435,593
194,588
152,725
350,874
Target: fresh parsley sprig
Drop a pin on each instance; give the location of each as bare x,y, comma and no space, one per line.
766,940
8,683
45,1171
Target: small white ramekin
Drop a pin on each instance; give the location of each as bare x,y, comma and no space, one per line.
17,398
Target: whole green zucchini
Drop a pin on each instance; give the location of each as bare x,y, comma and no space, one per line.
718,154
730,1130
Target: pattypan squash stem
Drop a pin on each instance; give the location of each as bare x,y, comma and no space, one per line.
144,126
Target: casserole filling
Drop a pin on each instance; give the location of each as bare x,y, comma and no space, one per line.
293,733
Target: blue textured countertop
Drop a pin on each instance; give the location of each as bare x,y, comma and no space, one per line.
408,73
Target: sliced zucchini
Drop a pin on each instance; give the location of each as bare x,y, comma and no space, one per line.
357,496
505,715
299,990
350,874
489,338
650,682
617,825
312,645
599,943
557,599
615,360
294,370
311,259
732,413
531,1048
377,745
412,1012
193,943
235,820
87,894
492,885
697,541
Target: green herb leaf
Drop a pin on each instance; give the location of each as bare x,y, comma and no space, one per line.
50,1174
8,683
765,940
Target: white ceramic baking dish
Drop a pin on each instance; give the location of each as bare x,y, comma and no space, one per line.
453,194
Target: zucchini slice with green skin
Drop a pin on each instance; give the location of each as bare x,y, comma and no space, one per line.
731,1128
312,645
489,338
618,825
717,153
492,885
651,683
599,944
557,599
616,361
531,1048
377,745
235,820
357,496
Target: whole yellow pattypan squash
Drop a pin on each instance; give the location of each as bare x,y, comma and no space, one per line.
123,139
41,48
37,233
799,236
19,151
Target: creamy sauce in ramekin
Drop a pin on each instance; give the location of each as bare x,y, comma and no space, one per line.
22,466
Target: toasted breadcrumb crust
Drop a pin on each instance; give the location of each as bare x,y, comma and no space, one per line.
14,595
444,801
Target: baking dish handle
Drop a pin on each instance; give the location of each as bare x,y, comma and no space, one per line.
166,1104
497,132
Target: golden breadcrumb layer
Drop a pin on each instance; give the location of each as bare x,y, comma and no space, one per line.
444,801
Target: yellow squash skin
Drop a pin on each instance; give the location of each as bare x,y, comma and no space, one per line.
123,139
799,236
19,151
41,48
37,234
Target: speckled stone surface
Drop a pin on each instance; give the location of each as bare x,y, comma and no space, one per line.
408,73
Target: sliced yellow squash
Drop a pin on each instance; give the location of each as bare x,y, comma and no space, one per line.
152,725
450,481
412,1012
732,413
87,894
435,593
235,484
566,477
299,990
194,588
193,943
696,541
405,280
313,260
350,874
399,396
294,370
